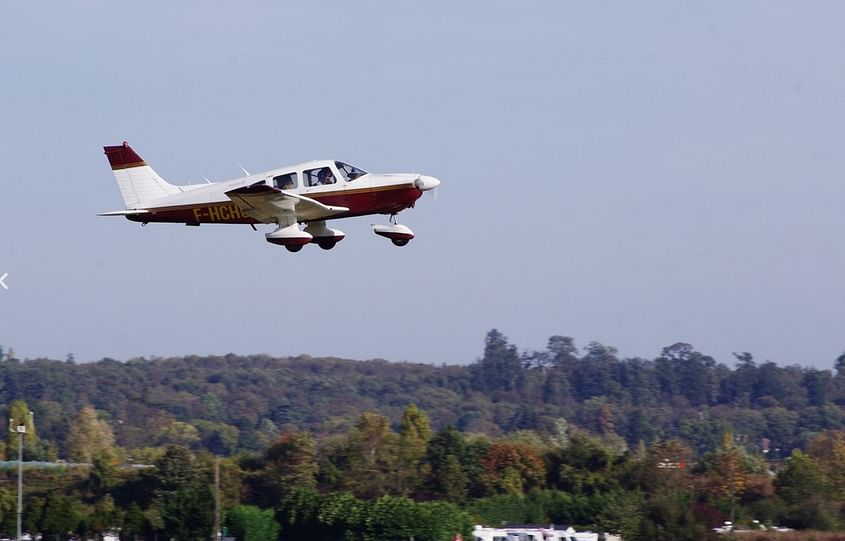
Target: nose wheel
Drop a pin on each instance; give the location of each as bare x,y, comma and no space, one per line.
399,234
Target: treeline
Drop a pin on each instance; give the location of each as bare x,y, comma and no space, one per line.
379,483
662,448
230,404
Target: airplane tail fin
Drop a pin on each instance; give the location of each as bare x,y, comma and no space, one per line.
137,181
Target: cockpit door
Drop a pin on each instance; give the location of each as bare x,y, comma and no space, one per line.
325,184
360,198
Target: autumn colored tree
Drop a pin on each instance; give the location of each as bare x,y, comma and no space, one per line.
89,436
512,468
729,472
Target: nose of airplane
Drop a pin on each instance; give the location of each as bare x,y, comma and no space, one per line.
425,183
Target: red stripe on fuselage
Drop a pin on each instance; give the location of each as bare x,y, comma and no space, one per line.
359,203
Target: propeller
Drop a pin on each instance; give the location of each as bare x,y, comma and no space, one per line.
425,183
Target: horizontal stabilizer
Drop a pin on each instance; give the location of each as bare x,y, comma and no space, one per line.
123,213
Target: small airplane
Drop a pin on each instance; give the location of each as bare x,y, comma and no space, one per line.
309,193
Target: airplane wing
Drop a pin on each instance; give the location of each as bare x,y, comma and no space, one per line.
268,204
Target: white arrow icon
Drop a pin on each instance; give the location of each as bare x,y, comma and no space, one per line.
2,280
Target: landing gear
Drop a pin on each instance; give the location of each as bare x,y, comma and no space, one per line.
398,234
289,236
324,237
292,238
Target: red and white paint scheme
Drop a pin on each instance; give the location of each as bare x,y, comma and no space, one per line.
308,193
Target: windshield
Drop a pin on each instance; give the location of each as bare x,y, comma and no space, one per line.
349,172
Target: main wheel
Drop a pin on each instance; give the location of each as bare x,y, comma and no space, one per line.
400,242
326,245
294,247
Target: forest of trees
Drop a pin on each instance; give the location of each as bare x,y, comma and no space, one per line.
307,448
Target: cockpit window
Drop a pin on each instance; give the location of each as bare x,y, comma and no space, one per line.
285,182
319,177
349,172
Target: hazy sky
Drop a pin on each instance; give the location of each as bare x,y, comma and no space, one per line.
633,173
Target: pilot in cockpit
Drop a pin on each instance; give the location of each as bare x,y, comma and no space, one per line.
326,177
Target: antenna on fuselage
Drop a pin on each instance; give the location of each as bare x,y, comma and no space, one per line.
247,173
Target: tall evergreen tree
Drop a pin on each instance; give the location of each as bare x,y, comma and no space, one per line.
501,368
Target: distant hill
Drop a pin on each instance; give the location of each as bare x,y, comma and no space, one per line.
230,403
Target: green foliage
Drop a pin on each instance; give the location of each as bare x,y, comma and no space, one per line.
230,404
501,368
89,436
19,415
372,455
8,510
250,523
289,463
441,521
668,517
806,491
585,466
562,435
60,514
105,474
623,514
181,495
105,516
539,507
305,514
446,463
414,435
507,508
133,521
186,513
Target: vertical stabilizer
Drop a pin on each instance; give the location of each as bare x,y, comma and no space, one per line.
137,181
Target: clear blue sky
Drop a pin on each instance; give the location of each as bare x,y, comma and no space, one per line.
634,173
